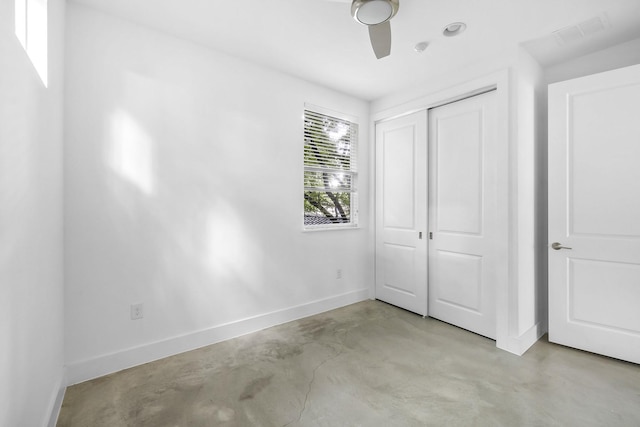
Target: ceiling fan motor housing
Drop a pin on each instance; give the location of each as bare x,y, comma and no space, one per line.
374,12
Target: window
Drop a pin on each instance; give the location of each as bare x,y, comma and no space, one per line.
330,171
31,30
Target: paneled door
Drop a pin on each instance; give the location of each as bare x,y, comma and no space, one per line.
463,214
594,213
401,212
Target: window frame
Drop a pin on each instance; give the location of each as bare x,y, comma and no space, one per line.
352,171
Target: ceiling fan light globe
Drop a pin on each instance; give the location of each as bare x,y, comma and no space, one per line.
373,12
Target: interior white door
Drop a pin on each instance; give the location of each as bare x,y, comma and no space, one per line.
401,212
463,213
594,213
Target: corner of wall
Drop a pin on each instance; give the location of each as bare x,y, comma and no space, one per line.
57,399
519,344
529,196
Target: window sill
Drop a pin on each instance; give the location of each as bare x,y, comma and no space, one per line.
334,228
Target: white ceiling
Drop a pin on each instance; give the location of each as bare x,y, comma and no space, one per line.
318,40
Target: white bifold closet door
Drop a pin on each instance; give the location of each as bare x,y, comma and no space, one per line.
463,213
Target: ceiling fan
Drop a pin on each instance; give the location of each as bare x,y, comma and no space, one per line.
376,15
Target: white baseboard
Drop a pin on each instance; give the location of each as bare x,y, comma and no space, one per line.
92,368
530,337
520,344
56,403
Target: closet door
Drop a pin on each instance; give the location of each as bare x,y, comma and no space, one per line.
594,213
463,213
401,212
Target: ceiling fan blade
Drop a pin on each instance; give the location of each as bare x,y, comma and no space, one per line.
380,36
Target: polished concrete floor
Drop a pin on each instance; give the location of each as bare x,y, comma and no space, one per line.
369,364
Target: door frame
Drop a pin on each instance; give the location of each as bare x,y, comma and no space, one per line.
506,298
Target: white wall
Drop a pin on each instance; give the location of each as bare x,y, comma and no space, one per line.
541,205
396,103
529,130
31,286
183,183
618,56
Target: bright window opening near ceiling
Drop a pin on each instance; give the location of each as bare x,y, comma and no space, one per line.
31,30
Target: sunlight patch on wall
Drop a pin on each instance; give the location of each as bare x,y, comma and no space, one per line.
230,251
31,28
130,152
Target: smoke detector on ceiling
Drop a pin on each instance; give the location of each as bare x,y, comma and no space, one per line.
421,47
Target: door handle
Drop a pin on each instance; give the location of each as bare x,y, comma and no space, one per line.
557,246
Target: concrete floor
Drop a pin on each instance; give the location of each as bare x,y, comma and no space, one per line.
369,364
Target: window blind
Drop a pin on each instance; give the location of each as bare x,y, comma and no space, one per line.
330,170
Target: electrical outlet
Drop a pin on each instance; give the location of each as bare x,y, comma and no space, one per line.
136,311
339,273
